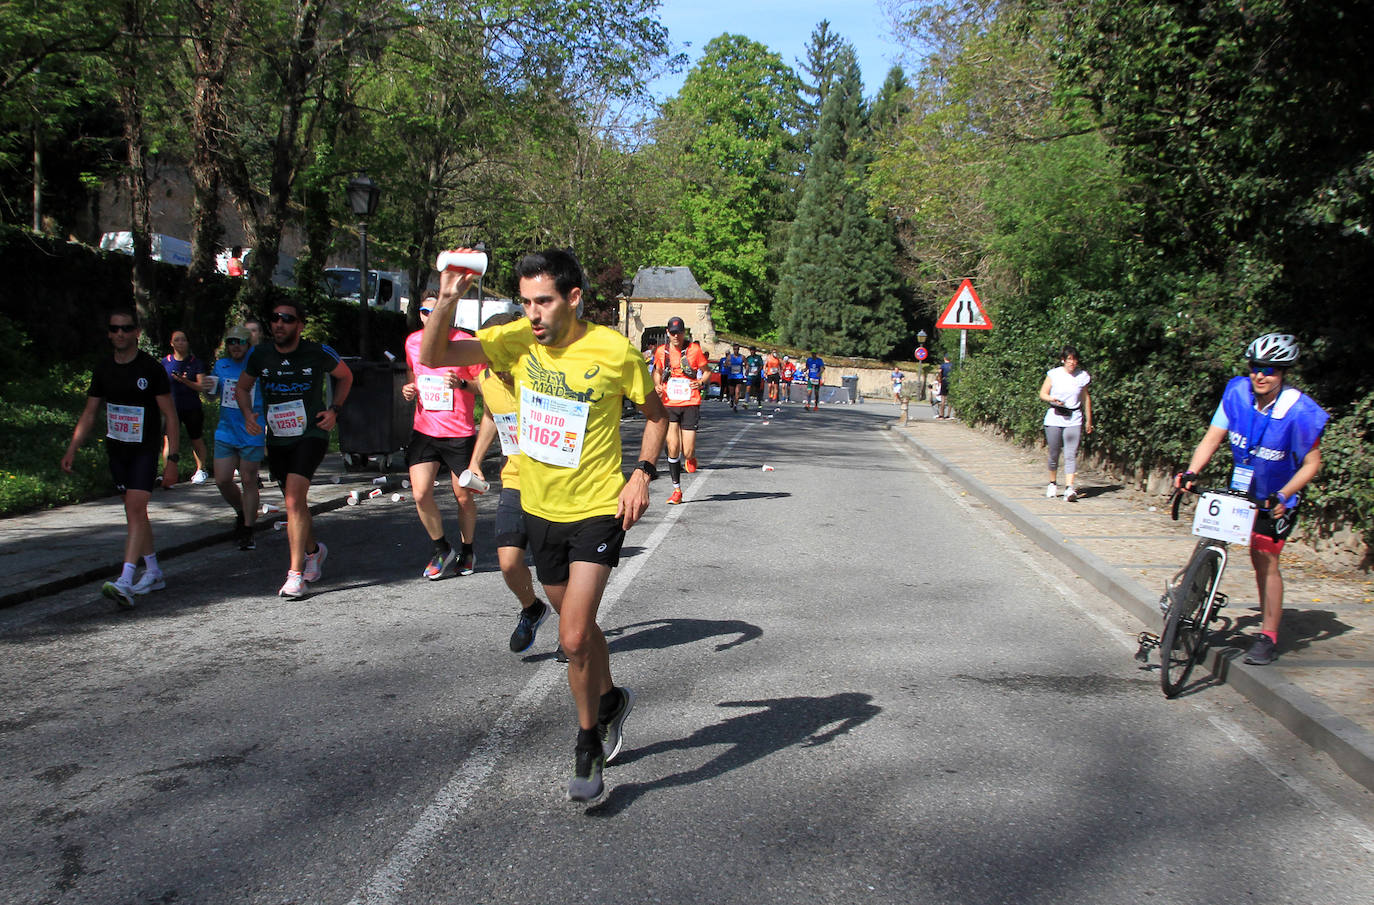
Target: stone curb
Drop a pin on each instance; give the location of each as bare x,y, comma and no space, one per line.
1349,745
106,569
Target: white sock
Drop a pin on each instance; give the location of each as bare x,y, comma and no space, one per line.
127,576
150,563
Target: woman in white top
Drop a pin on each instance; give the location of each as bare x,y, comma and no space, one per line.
1069,416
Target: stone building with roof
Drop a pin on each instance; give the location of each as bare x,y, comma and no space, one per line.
659,293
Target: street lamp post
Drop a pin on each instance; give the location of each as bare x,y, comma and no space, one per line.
362,199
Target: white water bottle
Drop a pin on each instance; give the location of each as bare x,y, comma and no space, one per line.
463,260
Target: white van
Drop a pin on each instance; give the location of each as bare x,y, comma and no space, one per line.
387,289
164,248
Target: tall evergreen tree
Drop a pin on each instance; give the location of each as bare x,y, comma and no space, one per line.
818,72
841,290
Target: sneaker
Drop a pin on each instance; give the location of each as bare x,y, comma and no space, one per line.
246,541
558,654
200,477
467,563
586,784
1070,494
1262,652
294,587
675,497
150,581
437,566
692,465
120,591
1051,491
314,562
525,627
612,731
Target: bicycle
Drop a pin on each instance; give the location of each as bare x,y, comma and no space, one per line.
1191,600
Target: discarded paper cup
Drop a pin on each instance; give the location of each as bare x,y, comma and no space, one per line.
268,509
769,468
379,481
337,479
389,356
405,485
470,481
354,496
279,524
462,261
396,498
374,494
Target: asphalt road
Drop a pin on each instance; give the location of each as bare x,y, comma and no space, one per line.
854,685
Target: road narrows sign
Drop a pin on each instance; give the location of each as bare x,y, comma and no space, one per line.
965,311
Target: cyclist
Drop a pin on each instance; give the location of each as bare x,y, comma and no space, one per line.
1275,433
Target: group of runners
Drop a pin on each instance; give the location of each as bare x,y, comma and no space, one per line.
553,385
750,374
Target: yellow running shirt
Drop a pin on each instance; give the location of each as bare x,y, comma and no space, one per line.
505,409
569,400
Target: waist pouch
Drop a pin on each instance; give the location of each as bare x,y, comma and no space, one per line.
1063,411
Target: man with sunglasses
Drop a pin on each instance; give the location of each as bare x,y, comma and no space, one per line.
235,448
443,433
138,400
1275,434
571,377
293,372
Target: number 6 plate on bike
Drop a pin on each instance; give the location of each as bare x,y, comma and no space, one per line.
1223,517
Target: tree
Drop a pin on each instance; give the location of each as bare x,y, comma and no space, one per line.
841,290
727,133
818,73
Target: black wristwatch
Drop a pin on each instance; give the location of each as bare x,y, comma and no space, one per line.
174,457
648,468
336,409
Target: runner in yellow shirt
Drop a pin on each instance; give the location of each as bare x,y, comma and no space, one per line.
570,378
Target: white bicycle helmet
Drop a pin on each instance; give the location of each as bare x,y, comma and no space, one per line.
1280,349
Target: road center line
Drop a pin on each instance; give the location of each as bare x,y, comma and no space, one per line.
386,884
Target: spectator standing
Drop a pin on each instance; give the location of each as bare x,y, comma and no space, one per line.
946,368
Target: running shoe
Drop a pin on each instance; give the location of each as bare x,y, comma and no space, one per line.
437,566
150,581
586,784
527,625
314,562
1051,491
1262,652
120,591
692,465
294,587
1070,494
200,477
559,655
467,563
612,730
675,497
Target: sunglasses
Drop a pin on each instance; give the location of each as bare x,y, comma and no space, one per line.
1265,370
123,328
278,318
426,310
235,341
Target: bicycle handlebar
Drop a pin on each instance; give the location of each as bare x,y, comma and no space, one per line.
1177,497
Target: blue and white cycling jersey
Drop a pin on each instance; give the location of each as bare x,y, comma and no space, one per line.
1273,443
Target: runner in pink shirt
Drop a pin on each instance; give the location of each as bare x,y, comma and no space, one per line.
443,433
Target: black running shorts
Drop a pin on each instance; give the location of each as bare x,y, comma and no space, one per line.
132,466
556,544
301,457
454,452
688,416
194,421
510,520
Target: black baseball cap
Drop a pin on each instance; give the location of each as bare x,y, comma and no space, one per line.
675,325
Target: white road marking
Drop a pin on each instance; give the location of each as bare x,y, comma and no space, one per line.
419,841
1355,828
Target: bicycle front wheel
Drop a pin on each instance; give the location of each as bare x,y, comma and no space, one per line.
1185,630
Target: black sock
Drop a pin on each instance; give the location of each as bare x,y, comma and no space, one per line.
610,701
588,740
467,549
238,518
442,546
675,471
534,609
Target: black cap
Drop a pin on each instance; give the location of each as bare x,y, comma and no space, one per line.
675,325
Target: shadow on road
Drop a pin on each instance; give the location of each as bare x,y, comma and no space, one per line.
737,495
779,723
660,634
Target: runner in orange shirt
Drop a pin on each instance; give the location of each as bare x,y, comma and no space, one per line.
772,374
679,374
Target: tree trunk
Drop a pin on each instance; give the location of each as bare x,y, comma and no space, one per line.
140,199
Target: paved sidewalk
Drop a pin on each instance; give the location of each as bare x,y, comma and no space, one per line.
42,553
1124,543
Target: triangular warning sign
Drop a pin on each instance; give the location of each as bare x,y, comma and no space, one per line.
965,311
